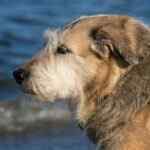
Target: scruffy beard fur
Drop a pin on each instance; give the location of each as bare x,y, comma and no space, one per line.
97,75
56,76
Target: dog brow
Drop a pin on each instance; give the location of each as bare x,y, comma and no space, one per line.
52,39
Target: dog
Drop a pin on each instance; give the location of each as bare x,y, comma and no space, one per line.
92,63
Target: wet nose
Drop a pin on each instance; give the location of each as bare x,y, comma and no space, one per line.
20,75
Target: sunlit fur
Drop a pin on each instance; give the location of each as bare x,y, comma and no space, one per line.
56,76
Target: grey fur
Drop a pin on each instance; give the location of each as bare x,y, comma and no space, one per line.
114,112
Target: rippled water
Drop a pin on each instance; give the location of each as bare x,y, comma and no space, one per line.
22,23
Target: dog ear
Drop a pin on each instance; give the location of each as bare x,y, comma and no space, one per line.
101,44
104,46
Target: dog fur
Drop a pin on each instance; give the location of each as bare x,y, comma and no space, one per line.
122,121
99,64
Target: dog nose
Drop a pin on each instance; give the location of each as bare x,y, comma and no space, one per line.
19,75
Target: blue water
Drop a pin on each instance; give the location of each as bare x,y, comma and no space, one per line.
22,23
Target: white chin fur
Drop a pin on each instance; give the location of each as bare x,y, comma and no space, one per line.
61,78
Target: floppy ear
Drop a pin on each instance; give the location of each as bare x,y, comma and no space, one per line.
105,47
101,44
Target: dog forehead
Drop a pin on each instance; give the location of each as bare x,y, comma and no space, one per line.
97,20
76,35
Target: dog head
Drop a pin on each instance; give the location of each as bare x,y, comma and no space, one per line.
90,53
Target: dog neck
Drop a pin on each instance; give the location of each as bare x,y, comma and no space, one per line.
129,133
105,124
98,89
121,119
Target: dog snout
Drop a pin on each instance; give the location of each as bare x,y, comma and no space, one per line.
20,75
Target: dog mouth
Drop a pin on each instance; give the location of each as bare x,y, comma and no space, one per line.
28,90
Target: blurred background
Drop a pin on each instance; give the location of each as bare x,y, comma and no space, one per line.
22,23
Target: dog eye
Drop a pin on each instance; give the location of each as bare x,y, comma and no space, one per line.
63,50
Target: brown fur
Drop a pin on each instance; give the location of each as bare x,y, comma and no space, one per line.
115,94
125,34
121,121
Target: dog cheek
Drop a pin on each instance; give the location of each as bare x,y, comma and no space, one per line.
69,82
54,83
